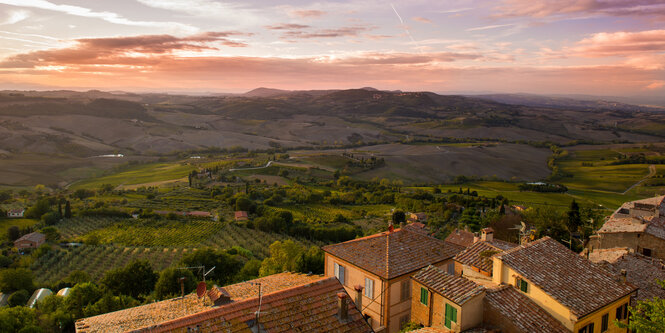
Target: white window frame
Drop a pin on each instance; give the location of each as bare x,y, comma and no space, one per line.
369,288
340,273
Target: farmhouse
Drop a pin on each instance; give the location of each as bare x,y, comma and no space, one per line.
15,213
289,303
637,225
378,269
241,215
30,241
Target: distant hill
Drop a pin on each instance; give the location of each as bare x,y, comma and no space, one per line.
559,102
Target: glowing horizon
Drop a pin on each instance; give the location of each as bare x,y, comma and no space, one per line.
596,47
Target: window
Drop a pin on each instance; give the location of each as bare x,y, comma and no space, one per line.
403,320
646,252
369,287
605,322
451,316
522,285
586,329
424,296
451,268
405,290
622,312
339,273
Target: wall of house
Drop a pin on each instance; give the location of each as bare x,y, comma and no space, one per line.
472,312
397,308
469,315
597,317
504,274
656,245
634,240
25,244
356,276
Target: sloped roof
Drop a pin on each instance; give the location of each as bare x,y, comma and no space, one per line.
308,308
172,309
392,254
460,237
641,270
471,256
32,237
572,280
455,288
521,311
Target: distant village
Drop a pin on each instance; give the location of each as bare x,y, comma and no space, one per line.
469,282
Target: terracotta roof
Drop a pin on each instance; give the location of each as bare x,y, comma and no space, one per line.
307,308
455,288
460,237
471,256
572,280
445,330
417,227
641,271
199,213
521,311
392,254
167,310
33,237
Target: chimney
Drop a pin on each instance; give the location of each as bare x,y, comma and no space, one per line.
390,226
623,275
475,238
182,286
343,308
359,297
487,234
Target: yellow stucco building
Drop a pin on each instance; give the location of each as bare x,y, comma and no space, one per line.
376,271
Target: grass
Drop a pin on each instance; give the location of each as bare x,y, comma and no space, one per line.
148,173
6,223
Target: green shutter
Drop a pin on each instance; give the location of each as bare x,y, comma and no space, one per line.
450,316
423,296
523,286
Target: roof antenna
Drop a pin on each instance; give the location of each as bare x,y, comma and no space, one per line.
257,314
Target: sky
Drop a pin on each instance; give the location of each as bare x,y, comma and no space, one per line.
596,47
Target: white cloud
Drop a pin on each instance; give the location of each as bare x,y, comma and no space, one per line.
106,16
224,11
488,27
15,16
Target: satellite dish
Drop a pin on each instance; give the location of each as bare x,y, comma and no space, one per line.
201,289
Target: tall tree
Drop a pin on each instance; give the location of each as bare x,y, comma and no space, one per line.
68,209
574,221
647,316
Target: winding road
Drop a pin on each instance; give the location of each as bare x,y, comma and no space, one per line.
652,172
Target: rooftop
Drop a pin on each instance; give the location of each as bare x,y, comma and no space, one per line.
571,279
455,288
172,309
479,254
646,215
641,271
393,253
312,307
33,237
460,237
522,312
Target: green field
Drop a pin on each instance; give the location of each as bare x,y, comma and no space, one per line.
6,223
141,174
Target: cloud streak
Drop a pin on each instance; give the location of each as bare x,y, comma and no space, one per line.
106,16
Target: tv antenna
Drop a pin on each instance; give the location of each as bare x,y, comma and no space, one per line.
257,314
202,269
523,230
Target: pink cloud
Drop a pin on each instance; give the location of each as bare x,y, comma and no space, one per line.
621,43
422,19
655,85
308,13
545,8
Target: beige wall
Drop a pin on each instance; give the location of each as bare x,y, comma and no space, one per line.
472,312
633,240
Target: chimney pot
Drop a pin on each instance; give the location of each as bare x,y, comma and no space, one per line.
359,297
623,275
343,307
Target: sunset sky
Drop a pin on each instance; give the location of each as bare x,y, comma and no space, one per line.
600,47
